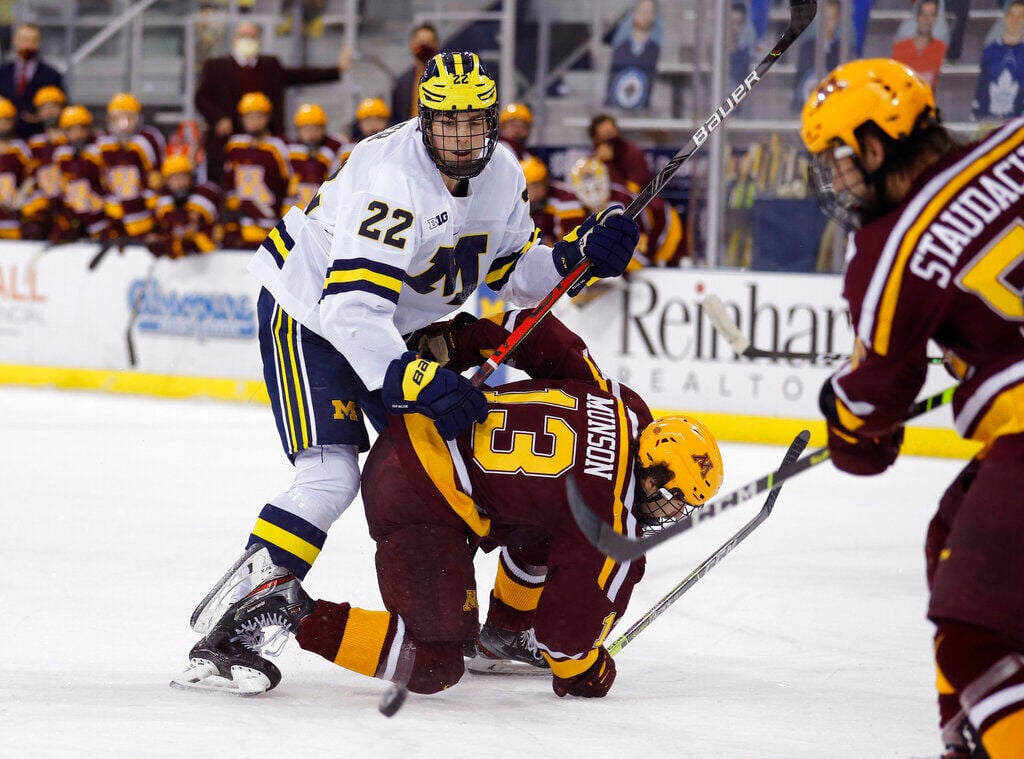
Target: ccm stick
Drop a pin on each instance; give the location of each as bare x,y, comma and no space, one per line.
719,315
622,548
801,13
792,454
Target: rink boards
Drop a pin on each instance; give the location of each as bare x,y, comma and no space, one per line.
195,335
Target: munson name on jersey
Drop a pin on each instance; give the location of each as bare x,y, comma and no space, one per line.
602,437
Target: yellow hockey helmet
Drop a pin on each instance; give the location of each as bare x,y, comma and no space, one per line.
177,164
689,451
254,102
310,114
74,115
7,109
881,90
534,169
49,94
516,111
124,101
373,107
452,84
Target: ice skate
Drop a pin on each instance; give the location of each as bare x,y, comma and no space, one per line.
251,570
230,659
507,652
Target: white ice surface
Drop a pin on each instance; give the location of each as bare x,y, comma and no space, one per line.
809,641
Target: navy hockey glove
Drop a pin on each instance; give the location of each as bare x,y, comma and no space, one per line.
853,453
607,239
595,682
416,385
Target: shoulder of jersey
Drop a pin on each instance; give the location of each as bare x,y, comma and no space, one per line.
397,154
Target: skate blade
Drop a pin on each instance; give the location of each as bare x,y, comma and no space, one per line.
202,676
481,666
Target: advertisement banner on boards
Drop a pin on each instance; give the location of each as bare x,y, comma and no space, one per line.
651,332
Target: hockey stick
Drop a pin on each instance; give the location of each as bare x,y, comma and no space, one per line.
622,548
136,308
104,249
801,13
727,328
792,454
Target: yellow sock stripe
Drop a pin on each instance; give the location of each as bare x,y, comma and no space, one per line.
508,590
286,541
566,668
366,632
1005,739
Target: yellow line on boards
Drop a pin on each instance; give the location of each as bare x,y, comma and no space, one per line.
920,441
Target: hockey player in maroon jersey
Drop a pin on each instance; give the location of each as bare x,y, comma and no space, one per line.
79,209
132,155
186,213
661,235
37,213
15,161
514,126
430,503
553,205
935,254
372,117
256,176
314,154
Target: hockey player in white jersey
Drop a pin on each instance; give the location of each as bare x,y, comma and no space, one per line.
398,238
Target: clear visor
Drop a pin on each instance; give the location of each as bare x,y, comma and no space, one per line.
838,185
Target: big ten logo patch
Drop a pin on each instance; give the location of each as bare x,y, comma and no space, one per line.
346,410
471,602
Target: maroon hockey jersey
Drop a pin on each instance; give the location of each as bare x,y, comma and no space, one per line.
946,266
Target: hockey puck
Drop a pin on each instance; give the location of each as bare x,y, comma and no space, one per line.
392,700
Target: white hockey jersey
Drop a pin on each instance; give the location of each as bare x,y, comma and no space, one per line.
384,249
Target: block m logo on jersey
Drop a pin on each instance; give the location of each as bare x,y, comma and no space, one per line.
458,266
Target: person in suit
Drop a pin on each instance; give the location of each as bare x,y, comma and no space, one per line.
23,77
225,79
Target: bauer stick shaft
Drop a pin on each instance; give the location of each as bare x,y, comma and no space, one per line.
801,13
622,548
792,454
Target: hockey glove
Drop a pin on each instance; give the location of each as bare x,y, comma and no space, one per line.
593,683
416,385
853,453
606,239
460,343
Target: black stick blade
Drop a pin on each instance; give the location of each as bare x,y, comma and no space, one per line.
622,548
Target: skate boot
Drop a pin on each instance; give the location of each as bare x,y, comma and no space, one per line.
230,659
507,652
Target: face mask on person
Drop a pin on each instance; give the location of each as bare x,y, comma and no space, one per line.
424,52
246,47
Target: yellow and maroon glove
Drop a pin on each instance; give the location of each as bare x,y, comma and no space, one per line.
595,682
852,452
